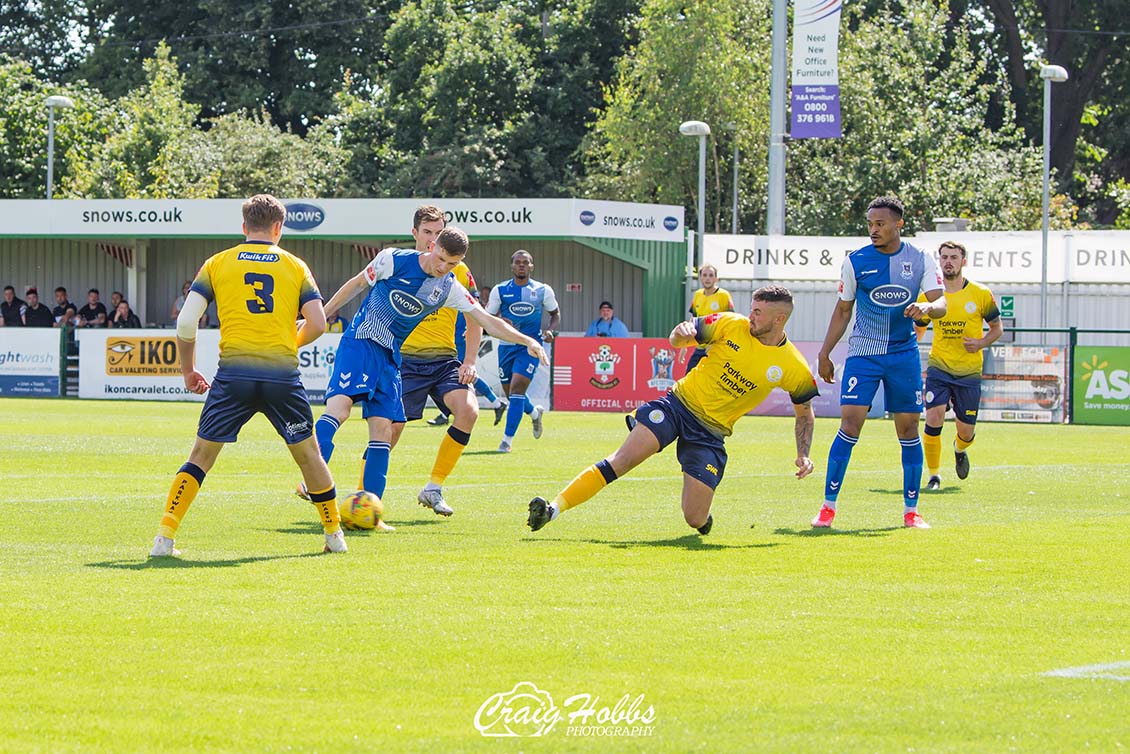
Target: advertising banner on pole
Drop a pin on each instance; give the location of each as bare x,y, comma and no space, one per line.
1101,385
816,77
29,361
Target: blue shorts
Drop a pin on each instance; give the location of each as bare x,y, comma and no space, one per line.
963,393
232,401
515,360
900,373
701,453
366,371
422,378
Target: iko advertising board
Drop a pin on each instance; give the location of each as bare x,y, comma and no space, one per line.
29,361
620,374
145,364
1101,385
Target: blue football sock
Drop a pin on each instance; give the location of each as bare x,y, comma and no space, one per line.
529,407
514,414
376,467
325,429
838,457
911,471
483,389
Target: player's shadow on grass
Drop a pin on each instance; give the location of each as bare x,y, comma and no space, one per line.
686,542
482,453
953,490
159,563
811,532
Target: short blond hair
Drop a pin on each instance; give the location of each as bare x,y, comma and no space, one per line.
262,211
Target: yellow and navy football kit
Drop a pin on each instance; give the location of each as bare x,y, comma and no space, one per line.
735,377
703,305
953,375
259,290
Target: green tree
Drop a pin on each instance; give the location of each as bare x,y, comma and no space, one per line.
694,61
153,150
23,129
916,100
287,58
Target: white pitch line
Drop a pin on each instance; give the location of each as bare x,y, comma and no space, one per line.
1093,671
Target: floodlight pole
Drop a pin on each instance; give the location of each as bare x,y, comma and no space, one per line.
1050,74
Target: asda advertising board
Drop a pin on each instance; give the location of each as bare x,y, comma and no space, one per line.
1101,390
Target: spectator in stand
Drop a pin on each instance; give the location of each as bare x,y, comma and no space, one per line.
115,298
124,316
337,324
61,304
94,313
607,325
35,313
11,308
179,304
69,317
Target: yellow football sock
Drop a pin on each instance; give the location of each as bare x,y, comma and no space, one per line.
325,502
932,448
961,445
586,484
185,486
450,449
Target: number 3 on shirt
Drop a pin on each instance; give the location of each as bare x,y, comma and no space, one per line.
262,286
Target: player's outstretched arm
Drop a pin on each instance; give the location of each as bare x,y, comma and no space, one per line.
346,293
500,329
837,326
805,422
685,335
313,322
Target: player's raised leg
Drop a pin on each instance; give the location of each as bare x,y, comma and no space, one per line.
637,447
186,484
697,499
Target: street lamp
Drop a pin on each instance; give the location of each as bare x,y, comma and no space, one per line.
1050,74
701,130
55,100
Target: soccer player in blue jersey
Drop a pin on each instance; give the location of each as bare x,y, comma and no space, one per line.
884,279
521,302
404,286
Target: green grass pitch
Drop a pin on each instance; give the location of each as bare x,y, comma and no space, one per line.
761,637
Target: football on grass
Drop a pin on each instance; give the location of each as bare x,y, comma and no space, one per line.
361,511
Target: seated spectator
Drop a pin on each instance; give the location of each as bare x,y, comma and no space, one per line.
115,298
61,303
178,304
94,313
124,316
607,325
35,313
337,324
69,317
12,309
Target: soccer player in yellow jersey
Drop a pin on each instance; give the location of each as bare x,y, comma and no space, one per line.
259,291
707,300
748,358
953,375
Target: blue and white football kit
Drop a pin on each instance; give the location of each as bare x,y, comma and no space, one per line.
883,348
367,364
522,306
